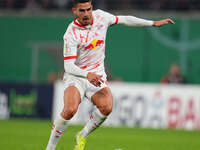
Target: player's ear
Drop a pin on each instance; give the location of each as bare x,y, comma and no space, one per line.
74,10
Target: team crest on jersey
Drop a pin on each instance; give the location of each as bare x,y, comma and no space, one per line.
94,44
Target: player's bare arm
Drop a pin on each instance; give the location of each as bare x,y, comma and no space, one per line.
95,79
71,68
163,22
134,21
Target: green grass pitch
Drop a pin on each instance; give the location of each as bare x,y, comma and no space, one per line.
34,135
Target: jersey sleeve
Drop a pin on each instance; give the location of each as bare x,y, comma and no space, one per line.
70,46
70,55
110,18
134,21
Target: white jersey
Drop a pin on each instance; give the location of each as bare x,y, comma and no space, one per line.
86,44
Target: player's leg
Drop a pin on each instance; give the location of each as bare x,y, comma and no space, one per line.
72,100
104,101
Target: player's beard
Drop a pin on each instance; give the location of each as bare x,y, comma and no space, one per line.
86,20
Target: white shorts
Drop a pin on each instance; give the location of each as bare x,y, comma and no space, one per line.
85,88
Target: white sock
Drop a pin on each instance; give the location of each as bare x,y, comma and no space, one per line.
59,127
96,119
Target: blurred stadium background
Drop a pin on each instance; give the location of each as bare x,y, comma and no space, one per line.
153,73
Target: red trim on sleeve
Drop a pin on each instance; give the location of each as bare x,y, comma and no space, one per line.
116,22
117,19
69,57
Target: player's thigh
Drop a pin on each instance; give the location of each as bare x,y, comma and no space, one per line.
103,99
72,98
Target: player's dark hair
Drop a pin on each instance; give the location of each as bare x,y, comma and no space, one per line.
75,2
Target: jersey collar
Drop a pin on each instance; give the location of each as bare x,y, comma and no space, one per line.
82,26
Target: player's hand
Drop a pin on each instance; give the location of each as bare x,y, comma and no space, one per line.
163,22
95,79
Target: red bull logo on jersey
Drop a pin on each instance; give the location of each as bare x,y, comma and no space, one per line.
94,44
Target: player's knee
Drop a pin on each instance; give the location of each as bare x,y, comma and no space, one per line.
105,109
68,113
108,110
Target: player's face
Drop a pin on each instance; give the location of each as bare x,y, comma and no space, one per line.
84,13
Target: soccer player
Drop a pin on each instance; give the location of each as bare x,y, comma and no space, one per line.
84,53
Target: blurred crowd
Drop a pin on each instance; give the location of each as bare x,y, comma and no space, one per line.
179,5
174,75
